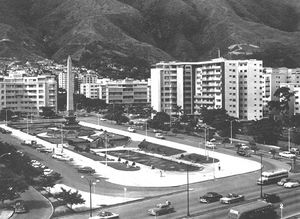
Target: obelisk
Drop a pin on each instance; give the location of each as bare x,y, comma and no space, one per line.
70,88
70,117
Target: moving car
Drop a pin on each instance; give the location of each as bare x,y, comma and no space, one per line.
105,215
161,209
61,157
86,170
20,207
271,198
210,197
232,198
286,154
130,129
292,184
283,181
159,135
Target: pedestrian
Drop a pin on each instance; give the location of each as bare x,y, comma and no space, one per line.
160,173
219,167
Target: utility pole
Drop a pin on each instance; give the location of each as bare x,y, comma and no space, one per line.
261,167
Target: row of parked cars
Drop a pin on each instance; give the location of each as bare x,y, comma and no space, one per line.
233,198
158,133
289,183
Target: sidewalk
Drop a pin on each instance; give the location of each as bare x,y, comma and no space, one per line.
6,213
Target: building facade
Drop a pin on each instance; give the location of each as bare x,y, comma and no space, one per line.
127,91
28,95
234,85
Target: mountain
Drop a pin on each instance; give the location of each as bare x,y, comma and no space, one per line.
98,32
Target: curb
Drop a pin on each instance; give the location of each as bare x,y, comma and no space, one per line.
52,208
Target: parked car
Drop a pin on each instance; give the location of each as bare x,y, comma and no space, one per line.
156,131
47,172
102,119
271,198
105,215
86,170
245,153
44,150
232,198
4,131
286,154
61,157
210,197
160,209
20,207
292,184
211,145
160,136
130,129
283,181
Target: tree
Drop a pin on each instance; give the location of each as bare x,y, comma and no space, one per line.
266,131
6,114
159,121
281,106
69,197
48,112
11,185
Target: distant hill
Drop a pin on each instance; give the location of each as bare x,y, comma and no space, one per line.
96,32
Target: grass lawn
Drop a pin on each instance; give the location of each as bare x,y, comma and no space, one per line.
159,149
152,161
197,158
123,166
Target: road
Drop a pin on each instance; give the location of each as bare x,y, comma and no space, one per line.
38,206
244,184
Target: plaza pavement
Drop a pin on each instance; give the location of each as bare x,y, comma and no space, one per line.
147,177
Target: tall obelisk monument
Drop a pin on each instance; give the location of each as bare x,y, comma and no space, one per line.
70,88
70,118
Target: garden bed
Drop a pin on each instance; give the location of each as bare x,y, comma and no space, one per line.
151,161
198,158
159,149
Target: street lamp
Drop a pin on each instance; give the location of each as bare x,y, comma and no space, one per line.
289,138
187,191
230,131
261,167
91,183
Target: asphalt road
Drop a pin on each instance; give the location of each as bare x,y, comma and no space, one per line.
38,206
244,184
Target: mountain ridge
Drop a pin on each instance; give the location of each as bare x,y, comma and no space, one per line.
94,32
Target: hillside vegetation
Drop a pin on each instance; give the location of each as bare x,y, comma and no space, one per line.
95,32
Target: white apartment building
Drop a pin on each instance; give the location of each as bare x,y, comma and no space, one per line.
127,91
90,90
234,85
26,94
172,84
62,80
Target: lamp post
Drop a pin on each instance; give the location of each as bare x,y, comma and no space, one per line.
261,167
230,131
90,183
187,191
5,116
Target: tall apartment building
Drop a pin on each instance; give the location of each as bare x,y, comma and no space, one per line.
172,84
234,85
275,78
26,94
127,91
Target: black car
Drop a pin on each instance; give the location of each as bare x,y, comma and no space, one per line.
271,198
86,170
210,197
